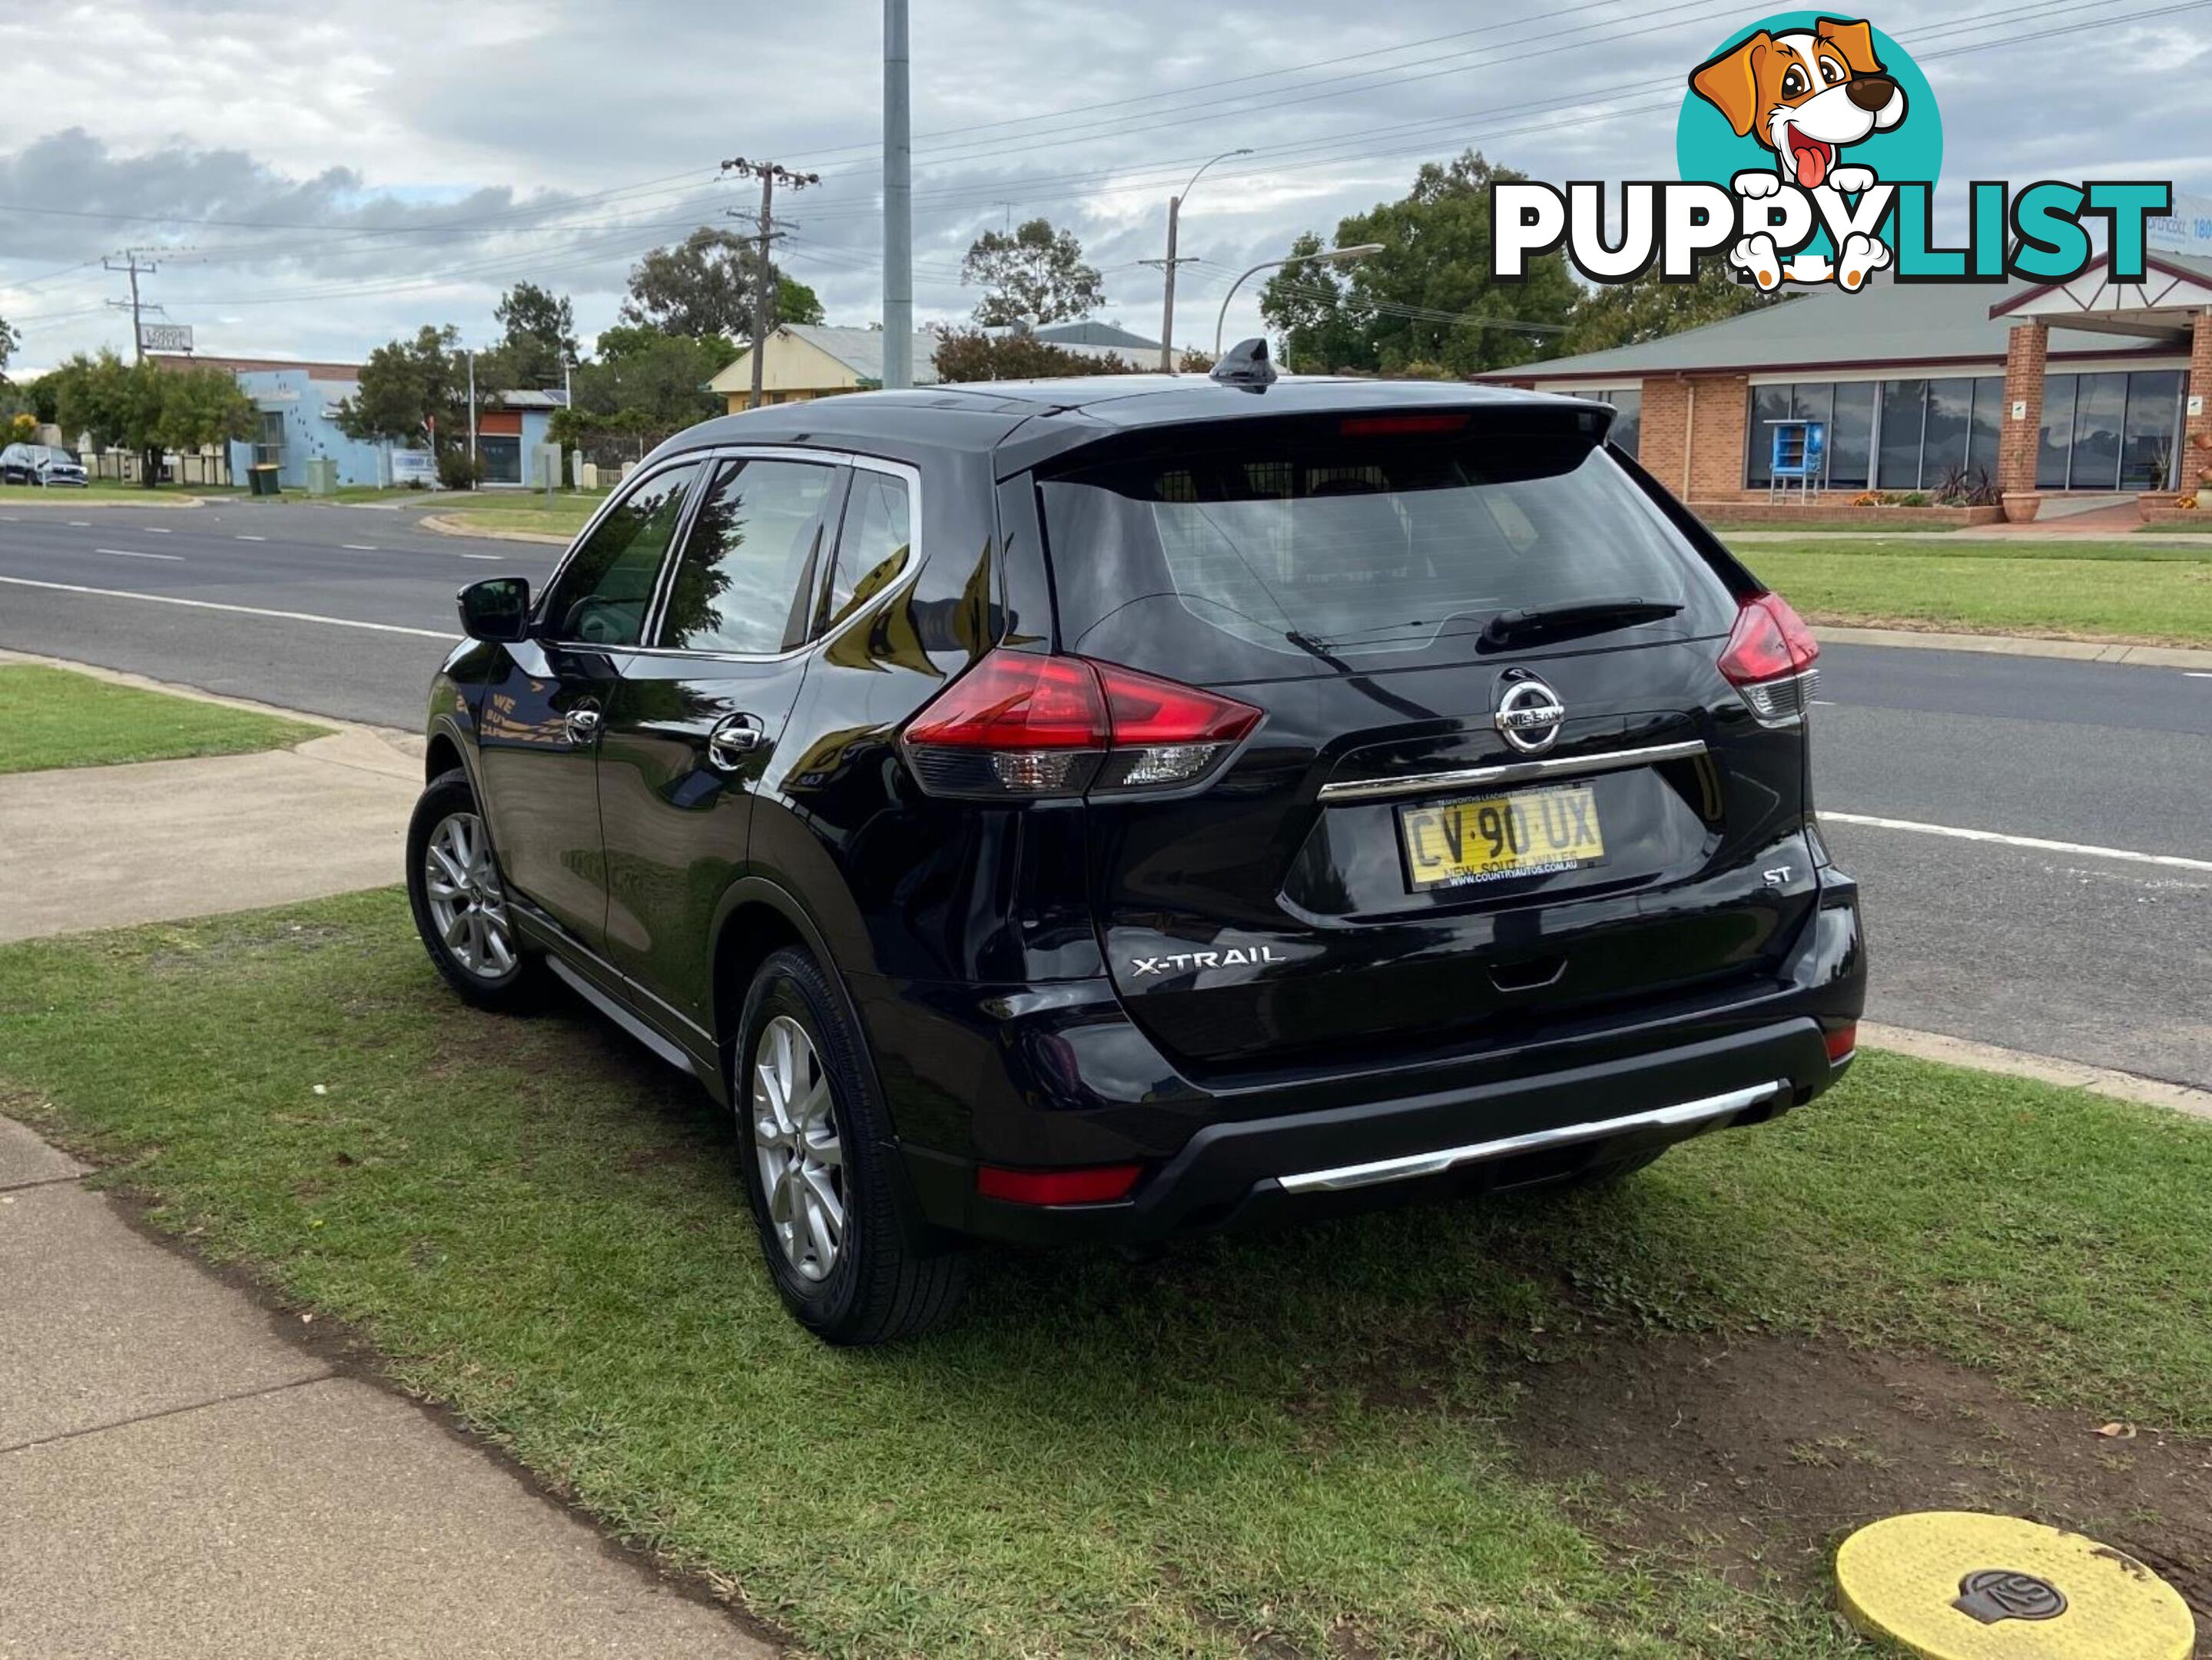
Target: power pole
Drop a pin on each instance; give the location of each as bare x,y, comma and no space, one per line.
1168,265
770,173
1167,304
898,203
130,257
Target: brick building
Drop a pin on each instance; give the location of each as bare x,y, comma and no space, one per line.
2081,389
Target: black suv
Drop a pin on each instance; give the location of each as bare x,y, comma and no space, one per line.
1097,809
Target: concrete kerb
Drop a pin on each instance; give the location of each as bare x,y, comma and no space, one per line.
440,524
2012,645
53,500
2043,1068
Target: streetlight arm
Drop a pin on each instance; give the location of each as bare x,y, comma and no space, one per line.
1359,252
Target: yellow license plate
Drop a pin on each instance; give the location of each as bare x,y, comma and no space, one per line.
1527,833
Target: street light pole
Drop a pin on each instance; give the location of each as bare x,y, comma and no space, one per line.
898,205
1221,321
1167,305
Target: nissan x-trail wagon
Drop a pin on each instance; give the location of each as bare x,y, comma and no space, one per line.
1100,810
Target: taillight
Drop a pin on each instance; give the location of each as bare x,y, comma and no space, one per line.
1842,1042
1026,725
1769,659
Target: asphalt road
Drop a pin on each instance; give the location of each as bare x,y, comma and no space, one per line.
2081,950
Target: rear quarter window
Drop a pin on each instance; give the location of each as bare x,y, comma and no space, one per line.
1276,554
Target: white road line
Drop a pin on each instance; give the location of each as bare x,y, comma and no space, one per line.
2197,674
496,558
359,547
129,553
156,530
252,538
243,611
80,524
2035,843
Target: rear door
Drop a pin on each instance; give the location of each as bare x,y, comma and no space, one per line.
696,715
1450,831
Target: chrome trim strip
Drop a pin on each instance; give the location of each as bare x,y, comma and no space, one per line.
1566,1135
1510,772
661,1046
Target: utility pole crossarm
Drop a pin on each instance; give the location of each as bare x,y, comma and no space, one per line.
770,173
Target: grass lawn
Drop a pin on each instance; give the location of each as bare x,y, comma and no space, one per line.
564,514
2076,590
2199,526
1295,1444
52,718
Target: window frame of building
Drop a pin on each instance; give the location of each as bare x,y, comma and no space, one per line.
1975,402
2161,392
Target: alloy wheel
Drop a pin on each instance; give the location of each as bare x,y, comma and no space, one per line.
802,1163
468,907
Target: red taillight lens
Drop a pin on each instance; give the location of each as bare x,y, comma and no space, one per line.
1141,710
1014,700
1769,659
1022,724
1093,1184
1841,1040
1769,639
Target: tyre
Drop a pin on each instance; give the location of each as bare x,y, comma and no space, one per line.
820,1168
460,907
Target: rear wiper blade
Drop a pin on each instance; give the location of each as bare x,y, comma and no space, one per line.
1575,617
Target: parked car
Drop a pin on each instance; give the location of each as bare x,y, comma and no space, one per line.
1103,809
41,464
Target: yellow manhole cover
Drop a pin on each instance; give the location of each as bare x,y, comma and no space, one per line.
1949,1585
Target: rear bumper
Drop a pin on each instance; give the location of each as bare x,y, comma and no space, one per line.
1057,1076
1306,1165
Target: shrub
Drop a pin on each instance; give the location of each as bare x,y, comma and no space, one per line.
971,354
459,471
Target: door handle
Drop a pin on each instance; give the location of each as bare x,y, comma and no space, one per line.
583,723
735,737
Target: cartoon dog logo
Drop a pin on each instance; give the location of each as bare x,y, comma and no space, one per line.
1805,94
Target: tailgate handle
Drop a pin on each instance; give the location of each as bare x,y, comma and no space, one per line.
1532,975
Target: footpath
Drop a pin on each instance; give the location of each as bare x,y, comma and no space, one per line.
188,1472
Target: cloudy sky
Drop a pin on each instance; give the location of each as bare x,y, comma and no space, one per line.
313,180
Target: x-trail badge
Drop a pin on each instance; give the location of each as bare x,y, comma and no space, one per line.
1530,714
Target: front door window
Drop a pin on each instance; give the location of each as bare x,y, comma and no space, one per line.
602,594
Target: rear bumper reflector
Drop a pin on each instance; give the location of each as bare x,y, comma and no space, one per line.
1085,1184
1510,772
1680,1116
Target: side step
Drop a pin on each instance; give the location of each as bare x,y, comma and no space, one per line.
653,1040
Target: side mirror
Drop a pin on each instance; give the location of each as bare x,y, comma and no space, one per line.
497,608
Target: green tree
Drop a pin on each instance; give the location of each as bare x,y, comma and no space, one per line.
971,354
407,384
148,407
1034,274
1428,297
642,385
704,285
11,338
1645,309
538,338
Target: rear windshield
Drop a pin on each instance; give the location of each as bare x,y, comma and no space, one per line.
1276,552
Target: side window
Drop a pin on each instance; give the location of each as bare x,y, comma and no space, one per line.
877,542
749,568
603,592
